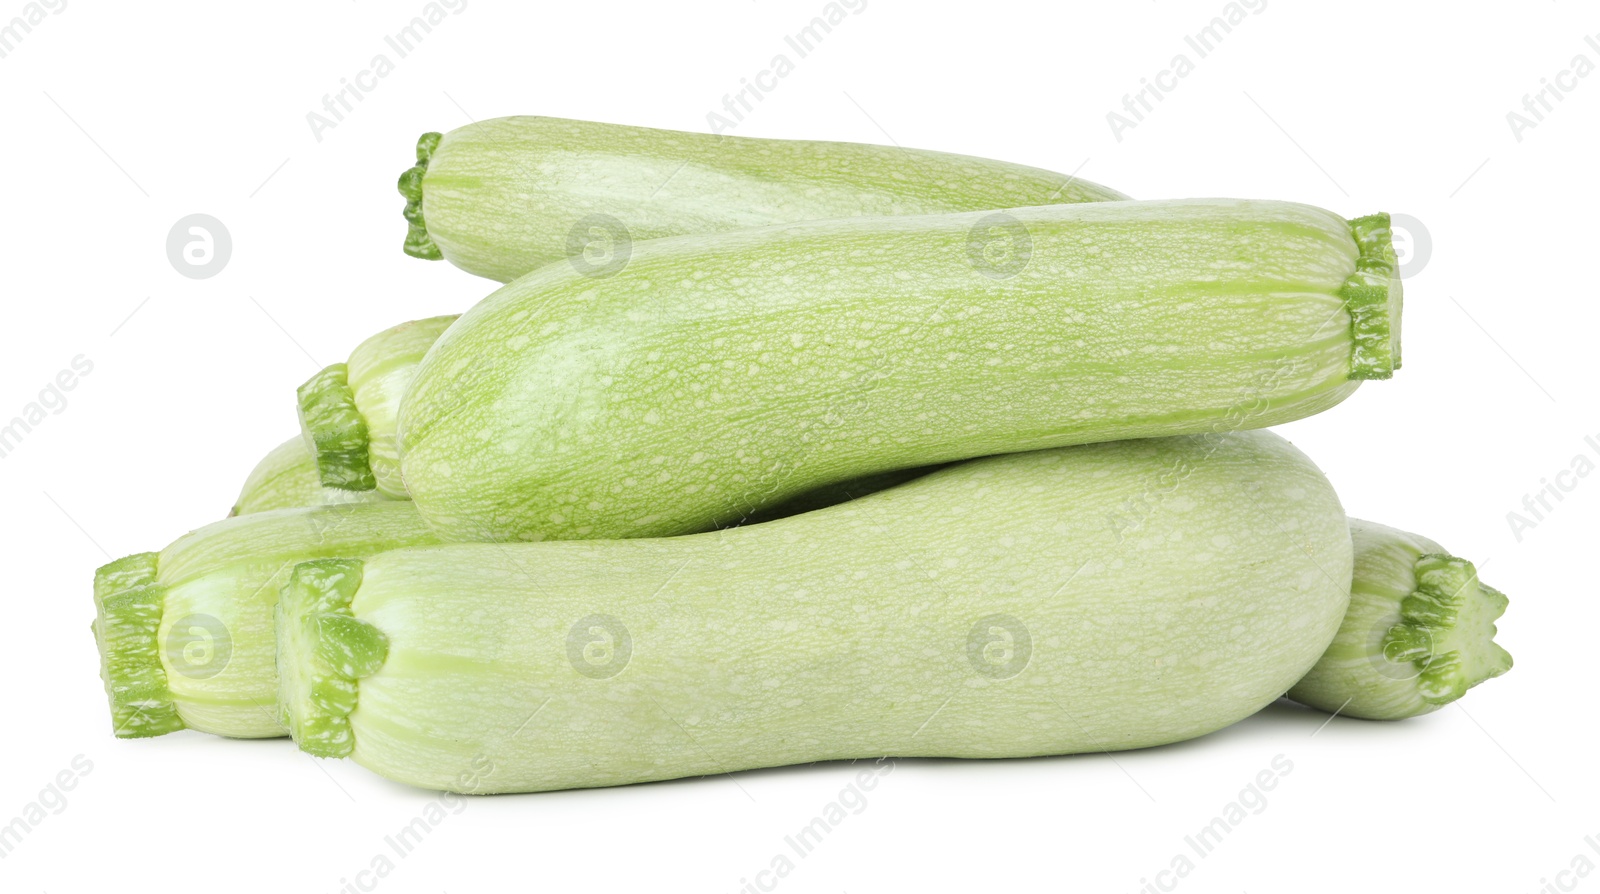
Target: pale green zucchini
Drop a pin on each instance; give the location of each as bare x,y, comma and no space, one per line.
1418,634
989,609
186,635
718,374
501,197
286,478
348,410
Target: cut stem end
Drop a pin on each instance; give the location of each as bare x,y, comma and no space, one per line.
1373,297
418,243
336,431
322,652
128,606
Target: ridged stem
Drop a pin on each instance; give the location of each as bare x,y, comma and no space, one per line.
128,606
418,243
336,430
322,652
1373,297
1417,635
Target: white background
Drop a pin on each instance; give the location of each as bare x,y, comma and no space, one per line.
120,118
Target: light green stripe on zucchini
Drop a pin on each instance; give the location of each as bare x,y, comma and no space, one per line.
989,609
717,374
502,197
1419,632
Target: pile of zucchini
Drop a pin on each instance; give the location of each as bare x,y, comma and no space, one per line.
769,452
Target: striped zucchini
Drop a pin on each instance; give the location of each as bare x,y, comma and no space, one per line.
501,197
719,374
989,609
1419,632
348,410
185,635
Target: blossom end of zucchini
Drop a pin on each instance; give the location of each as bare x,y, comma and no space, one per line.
323,651
336,431
1373,297
128,606
418,243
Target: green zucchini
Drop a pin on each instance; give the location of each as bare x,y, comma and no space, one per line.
185,635
348,410
1418,634
286,478
501,197
988,609
718,374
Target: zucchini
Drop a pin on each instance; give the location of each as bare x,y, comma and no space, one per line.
185,635
348,410
988,609
718,374
499,198
1418,634
286,478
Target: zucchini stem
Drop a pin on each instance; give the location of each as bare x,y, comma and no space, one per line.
128,604
322,651
1373,297
418,243
1419,631
337,431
